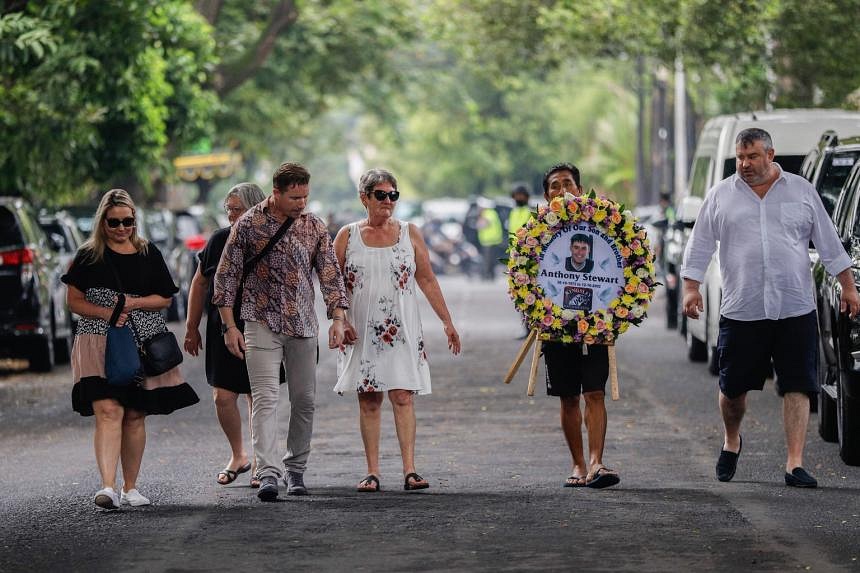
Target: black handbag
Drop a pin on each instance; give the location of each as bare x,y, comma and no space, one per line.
160,352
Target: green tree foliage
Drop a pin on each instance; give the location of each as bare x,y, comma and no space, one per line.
325,50
93,92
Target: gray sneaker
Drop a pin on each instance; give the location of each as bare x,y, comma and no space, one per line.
268,488
295,483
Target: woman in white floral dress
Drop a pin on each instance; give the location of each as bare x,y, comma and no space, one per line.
383,260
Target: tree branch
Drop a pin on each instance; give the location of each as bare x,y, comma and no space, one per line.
209,9
231,75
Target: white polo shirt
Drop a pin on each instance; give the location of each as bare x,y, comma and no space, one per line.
764,257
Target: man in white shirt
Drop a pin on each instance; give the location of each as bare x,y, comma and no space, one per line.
763,219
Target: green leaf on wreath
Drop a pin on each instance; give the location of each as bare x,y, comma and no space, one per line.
592,194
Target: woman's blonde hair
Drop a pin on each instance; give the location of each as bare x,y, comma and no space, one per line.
94,247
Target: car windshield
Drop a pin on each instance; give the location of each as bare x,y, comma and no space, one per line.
10,232
835,170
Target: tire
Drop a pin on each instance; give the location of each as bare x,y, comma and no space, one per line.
713,361
697,351
671,308
42,355
848,424
826,405
63,346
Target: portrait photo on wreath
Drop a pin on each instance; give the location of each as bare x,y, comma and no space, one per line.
580,259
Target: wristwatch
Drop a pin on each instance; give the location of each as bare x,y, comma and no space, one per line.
225,328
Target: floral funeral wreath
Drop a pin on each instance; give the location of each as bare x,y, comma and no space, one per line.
580,271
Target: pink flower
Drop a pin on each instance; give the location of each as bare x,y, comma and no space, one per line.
547,320
521,278
530,299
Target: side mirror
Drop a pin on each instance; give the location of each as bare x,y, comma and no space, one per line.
57,242
688,210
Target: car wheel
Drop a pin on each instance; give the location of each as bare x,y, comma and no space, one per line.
848,422
63,345
826,405
42,354
671,308
697,351
713,360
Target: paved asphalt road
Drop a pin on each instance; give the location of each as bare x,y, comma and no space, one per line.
495,458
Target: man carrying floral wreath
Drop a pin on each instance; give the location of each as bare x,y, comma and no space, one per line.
574,370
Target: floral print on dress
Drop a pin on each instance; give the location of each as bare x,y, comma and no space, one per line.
388,330
422,354
368,381
353,276
401,269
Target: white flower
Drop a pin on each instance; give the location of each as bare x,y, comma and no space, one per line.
551,218
522,260
568,197
642,272
567,314
628,214
637,311
546,238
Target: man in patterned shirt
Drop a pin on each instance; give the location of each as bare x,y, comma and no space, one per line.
277,306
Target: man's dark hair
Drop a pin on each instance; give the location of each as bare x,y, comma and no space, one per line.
520,189
581,238
561,167
666,197
289,174
752,134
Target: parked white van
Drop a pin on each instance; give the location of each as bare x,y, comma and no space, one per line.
794,132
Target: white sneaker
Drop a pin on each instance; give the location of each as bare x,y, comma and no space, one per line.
106,498
134,498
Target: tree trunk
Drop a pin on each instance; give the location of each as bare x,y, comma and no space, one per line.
209,9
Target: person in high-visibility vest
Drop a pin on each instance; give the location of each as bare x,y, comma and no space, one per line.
491,236
521,213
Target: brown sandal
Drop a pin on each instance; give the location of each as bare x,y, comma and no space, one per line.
372,484
413,486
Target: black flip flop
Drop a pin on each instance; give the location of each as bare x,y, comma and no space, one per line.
580,481
603,478
232,474
727,463
413,486
370,479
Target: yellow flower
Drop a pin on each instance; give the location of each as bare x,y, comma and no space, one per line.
624,327
598,216
566,338
627,299
556,323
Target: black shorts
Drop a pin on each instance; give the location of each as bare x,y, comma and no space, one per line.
746,349
569,372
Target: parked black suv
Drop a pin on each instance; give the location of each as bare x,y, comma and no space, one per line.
828,165
839,356
34,323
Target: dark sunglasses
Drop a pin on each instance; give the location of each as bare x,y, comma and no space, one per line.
381,195
114,223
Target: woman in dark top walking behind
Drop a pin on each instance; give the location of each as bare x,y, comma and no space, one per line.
227,374
115,261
